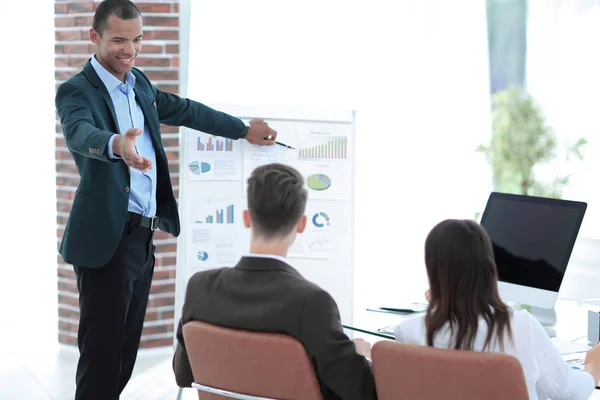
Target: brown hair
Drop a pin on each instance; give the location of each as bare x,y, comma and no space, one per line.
276,199
463,284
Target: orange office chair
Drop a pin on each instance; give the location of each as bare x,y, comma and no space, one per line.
404,371
248,365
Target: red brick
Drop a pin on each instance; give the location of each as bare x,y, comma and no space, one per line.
164,75
152,49
154,8
157,329
169,288
172,49
68,313
173,168
62,75
175,7
166,248
80,7
70,287
67,326
163,275
78,62
61,219
175,62
70,181
71,21
69,168
68,300
171,142
162,301
168,262
66,194
81,48
66,273
60,62
169,88
68,35
161,21
160,34
172,155
63,155
67,339
64,206
169,129
60,8
151,343
152,62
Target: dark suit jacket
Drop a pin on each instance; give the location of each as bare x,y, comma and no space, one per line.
267,295
88,121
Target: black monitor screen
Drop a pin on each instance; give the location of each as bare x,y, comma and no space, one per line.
533,237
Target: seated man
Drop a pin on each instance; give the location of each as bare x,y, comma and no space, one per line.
264,293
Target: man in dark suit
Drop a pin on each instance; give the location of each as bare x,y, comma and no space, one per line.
110,115
264,293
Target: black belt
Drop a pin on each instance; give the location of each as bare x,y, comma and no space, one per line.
140,220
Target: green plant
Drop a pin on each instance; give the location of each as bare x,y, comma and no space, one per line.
521,140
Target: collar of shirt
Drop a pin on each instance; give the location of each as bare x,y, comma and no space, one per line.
273,256
109,80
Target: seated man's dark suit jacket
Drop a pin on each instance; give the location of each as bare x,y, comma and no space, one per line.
267,295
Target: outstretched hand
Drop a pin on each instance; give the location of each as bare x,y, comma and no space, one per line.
260,133
124,147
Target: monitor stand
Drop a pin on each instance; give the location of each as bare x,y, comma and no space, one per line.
546,317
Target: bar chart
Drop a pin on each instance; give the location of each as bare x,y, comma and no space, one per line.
332,148
219,216
213,144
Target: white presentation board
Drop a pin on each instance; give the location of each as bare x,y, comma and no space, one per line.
212,196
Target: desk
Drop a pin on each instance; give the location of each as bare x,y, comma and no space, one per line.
570,327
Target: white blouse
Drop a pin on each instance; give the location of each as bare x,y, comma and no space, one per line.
547,375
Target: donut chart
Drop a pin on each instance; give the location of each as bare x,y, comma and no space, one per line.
320,220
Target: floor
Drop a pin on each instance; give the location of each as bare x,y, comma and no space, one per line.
49,375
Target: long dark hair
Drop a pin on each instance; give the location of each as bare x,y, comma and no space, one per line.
463,285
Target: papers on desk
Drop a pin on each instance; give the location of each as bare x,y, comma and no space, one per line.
566,347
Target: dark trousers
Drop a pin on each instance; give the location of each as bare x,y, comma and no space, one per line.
112,304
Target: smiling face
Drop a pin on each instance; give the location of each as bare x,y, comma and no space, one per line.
118,45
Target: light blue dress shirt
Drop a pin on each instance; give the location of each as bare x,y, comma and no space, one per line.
142,188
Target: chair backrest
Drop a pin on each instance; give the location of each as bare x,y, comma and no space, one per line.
268,365
404,371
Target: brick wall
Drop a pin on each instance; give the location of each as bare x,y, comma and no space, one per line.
159,59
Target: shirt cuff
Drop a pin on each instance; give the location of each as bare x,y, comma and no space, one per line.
111,155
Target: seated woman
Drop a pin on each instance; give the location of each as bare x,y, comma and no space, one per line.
465,312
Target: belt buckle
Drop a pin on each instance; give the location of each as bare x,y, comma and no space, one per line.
154,223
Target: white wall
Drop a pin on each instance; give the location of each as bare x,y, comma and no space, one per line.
417,74
28,303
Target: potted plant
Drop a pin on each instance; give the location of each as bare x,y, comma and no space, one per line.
521,141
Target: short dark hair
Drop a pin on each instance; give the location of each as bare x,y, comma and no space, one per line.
276,199
124,9
463,280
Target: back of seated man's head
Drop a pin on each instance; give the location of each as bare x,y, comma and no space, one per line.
276,202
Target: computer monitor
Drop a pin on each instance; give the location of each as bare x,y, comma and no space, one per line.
533,238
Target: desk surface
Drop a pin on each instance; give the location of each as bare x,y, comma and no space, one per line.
570,327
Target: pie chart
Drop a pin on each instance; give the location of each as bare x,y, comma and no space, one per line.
198,168
318,182
202,255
